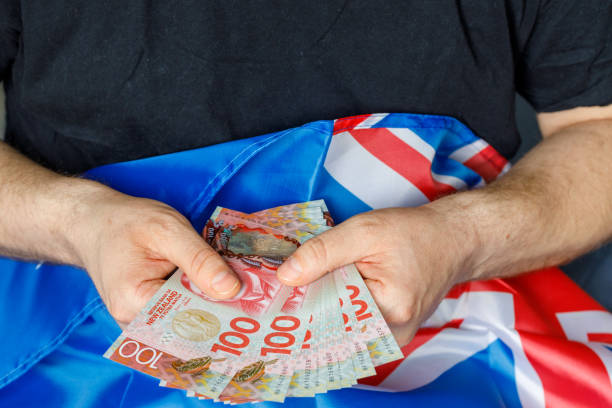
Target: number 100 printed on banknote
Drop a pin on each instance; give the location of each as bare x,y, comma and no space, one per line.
194,340
269,341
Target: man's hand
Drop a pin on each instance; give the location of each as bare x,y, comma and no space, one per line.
409,259
129,245
554,205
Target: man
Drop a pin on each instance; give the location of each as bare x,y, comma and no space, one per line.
88,84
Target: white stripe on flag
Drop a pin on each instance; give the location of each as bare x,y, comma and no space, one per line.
371,180
371,120
435,357
482,325
578,325
504,170
413,140
466,152
456,182
480,184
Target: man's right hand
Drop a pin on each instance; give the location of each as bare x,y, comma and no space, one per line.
130,245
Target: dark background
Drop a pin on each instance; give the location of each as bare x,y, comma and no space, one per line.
593,272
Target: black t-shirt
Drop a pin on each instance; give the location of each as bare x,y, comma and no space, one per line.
94,82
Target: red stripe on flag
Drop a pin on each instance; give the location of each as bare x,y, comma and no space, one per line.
600,337
554,293
402,158
487,163
422,336
571,373
344,124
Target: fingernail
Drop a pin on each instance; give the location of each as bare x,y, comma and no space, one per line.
290,271
224,283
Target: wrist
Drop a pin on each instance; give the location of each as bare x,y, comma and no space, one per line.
500,231
461,232
75,219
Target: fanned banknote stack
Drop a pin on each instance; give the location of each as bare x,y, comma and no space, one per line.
270,341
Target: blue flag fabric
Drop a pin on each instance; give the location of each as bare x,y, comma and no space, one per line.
55,327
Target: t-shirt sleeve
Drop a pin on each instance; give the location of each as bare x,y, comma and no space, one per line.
567,59
10,28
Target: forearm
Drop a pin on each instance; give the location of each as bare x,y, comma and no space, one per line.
40,209
553,206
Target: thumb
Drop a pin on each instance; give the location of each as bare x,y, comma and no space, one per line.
202,264
332,249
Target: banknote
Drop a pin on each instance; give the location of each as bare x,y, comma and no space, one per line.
301,228
280,348
362,364
302,382
239,239
270,341
203,337
370,325
336,361
245,223
173,371
232,226
309,212
165,325
244,247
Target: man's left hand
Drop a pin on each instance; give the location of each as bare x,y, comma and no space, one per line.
408,257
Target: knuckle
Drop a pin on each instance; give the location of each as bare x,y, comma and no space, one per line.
370,224
401,315
121,316
203,259
118,312
171,215
165,221
158,224
404,312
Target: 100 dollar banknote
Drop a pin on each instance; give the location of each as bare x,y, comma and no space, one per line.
197,338
210,344
240,239
269,341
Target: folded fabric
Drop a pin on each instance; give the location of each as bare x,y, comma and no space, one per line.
534,340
